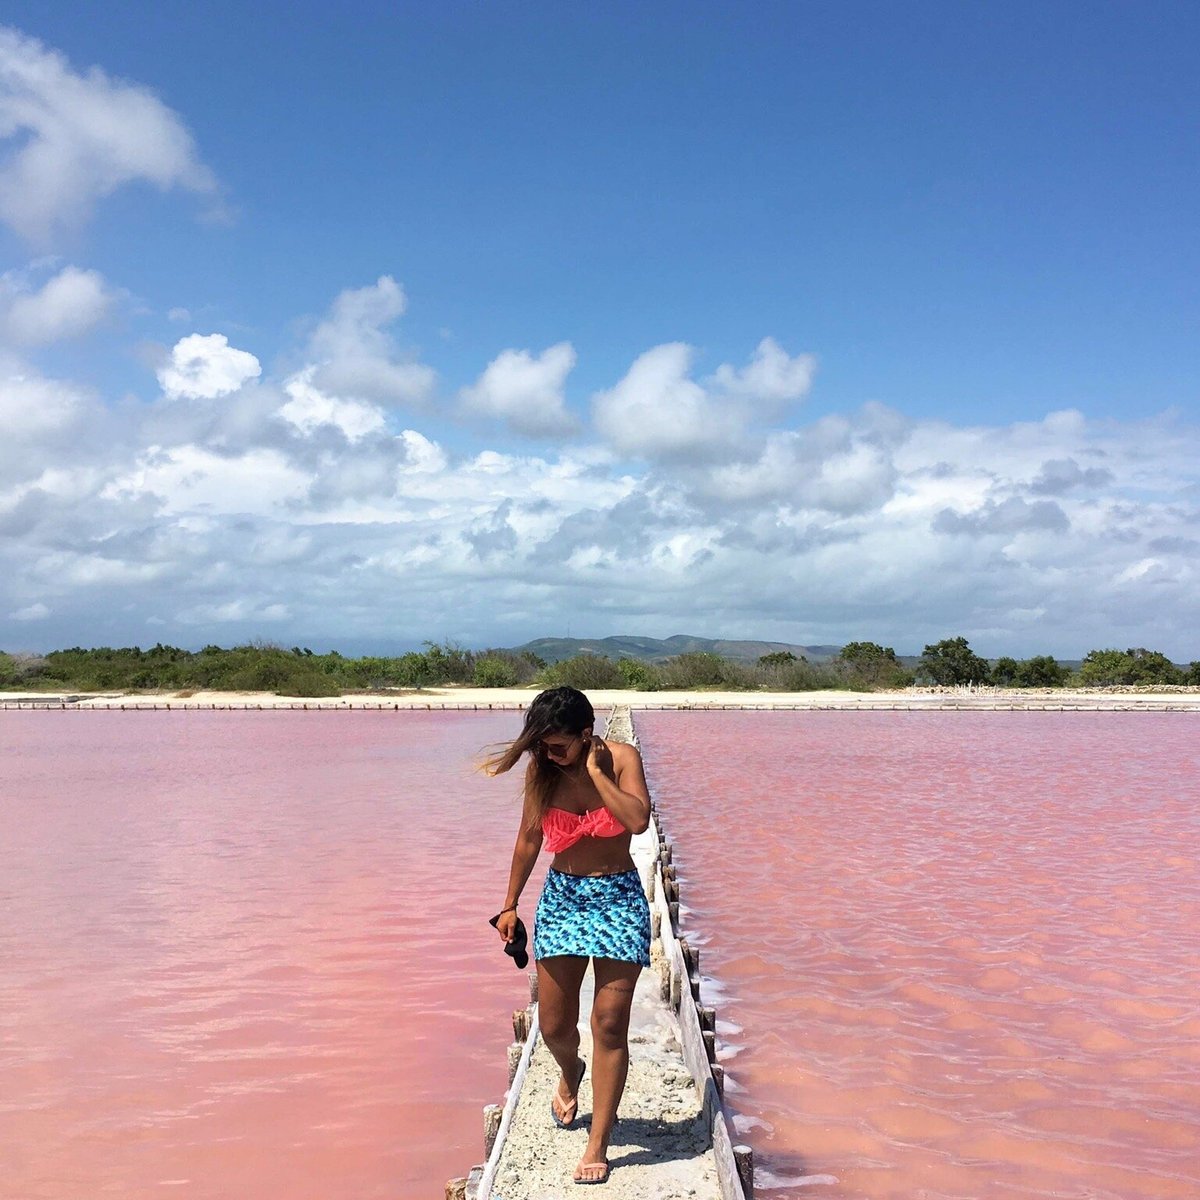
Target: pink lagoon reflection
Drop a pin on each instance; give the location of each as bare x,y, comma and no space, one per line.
246,954
957,954
954,954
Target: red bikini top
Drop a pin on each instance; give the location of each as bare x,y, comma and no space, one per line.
561,829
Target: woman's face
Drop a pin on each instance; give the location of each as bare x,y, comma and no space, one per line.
564,749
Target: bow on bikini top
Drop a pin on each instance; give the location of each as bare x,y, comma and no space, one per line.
561,829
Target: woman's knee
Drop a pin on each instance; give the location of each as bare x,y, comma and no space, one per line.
557,1027
610,1025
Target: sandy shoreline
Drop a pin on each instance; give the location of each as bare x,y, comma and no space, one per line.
910,699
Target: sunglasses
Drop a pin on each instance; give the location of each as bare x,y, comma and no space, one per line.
558,749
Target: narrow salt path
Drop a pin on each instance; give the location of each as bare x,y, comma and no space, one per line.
661,1149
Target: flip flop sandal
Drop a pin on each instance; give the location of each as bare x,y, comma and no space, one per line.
557,1120
603,1178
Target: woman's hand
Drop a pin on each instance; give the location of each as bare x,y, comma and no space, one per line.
599,758
616,774
506,927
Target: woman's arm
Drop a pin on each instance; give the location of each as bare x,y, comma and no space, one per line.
525,852
616,771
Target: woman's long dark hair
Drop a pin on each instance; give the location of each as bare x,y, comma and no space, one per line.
564,710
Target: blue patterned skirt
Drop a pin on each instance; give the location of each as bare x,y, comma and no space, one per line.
593,916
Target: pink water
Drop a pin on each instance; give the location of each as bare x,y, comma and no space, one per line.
246,954
956,954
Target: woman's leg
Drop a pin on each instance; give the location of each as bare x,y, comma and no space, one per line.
558,1019
610,1056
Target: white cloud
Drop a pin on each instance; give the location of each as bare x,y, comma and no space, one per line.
31,405
308,409
525,392
423,456
771,376
1010,516
657,411
1016,451
205,366
67,305
50,426
1145,568
924,493
192,479
836,465
856,478
75,138
68,570
32,612
1065,474
236,611
66,487
293,506
356,358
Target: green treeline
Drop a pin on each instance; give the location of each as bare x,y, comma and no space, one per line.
952,661
859,666
260,668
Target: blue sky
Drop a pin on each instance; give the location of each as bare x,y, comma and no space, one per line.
811,322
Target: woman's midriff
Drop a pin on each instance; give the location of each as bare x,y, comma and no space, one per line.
603,856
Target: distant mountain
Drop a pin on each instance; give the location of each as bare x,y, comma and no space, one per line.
658,649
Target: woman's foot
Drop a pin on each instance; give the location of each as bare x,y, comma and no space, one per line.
564,1104
592,1169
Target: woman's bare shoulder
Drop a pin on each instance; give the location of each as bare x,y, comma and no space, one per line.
624,754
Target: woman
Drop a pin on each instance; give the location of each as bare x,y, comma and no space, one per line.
584,799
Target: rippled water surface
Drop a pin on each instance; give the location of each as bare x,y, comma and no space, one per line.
956,954
246,954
